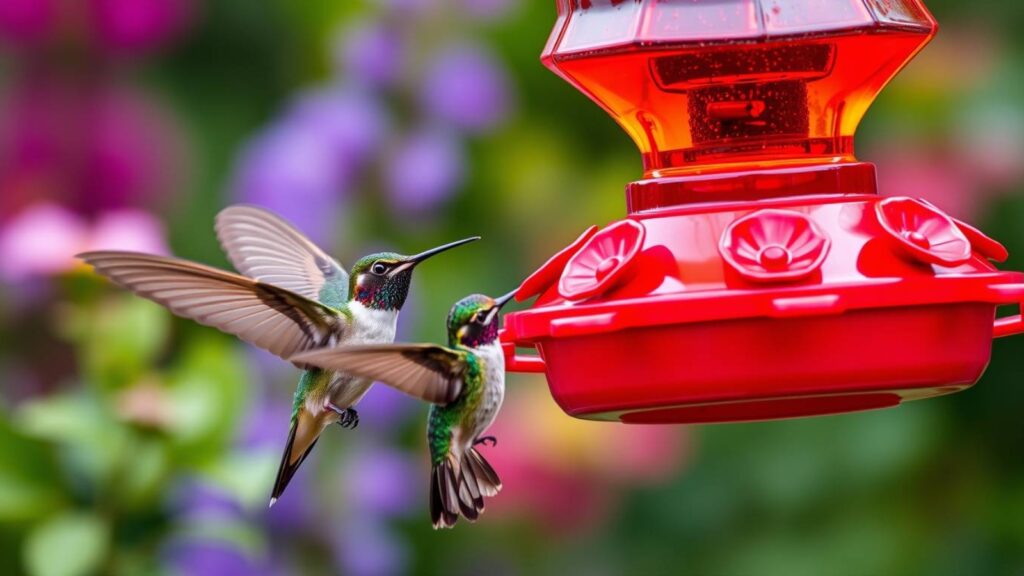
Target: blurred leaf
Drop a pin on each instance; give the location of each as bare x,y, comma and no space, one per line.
94,441
208,390
68,545
246,476
143,478
28,479
118,339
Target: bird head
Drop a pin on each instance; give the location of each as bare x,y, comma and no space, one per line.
381,281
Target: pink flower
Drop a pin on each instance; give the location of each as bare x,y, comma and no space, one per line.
43,240
583,466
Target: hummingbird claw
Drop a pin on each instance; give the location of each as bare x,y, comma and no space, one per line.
349,418
485,439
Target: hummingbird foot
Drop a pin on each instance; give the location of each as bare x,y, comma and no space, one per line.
485,439
349,418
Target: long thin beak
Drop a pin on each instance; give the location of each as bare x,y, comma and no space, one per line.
498,303
501,301
416,259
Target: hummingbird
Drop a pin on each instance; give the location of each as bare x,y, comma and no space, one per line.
464,382
291,297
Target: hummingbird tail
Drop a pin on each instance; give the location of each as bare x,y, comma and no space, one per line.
459,488
481,470
301,439
444,507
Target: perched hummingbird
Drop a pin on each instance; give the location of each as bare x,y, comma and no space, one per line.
293,297
465,382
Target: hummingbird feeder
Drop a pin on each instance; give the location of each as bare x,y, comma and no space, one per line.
757,275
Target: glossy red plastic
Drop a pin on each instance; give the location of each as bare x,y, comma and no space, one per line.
758,275
602,261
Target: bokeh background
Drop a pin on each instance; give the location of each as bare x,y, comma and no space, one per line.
135,443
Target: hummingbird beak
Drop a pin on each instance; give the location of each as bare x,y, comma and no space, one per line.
498,303
416,259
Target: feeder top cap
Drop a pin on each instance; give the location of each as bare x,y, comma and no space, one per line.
704,85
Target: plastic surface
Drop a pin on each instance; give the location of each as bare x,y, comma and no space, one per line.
601,261
758,275
774,246
923,231
705,84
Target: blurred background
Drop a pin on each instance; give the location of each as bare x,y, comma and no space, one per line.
135,443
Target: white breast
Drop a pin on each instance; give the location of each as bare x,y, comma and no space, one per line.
494,385
369,326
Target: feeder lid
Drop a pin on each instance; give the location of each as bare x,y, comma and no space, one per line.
702,86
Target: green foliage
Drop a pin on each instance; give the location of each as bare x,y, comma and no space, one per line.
72,544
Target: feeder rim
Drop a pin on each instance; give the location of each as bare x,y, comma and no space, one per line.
586,318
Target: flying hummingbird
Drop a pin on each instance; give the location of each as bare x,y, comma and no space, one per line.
465,382
293,297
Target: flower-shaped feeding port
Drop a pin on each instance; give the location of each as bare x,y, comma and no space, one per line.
549,272
774,246
601,261
981,243
923,231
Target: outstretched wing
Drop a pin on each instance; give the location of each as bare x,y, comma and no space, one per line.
267,316
425,371
264,247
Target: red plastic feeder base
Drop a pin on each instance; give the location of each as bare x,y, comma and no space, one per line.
762,369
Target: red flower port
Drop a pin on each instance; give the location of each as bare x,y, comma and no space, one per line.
923,231
774,246
550,271
602,261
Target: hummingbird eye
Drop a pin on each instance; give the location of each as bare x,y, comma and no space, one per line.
378,268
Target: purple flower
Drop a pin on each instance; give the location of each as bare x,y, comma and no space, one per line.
350,123
138,25
266,423
382,482
466,87
371,53
489,10
291,170
425,171
191,556
197,500
369,548
26,21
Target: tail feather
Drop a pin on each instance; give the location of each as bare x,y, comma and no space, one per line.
458,488
296,450
486,478
444,507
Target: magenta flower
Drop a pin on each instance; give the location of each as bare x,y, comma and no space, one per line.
92,149
139,25
27,22
466,87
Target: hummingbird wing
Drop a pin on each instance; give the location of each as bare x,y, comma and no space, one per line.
267,316
263,246
426,371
